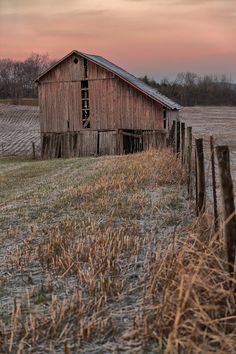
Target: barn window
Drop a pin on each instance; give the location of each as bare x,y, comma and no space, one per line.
76,60
85,104
164,118
85,68
84,84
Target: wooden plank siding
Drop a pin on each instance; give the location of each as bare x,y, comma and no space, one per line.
154,139
96,72
107,143
93,142
88,143
114,104
66,71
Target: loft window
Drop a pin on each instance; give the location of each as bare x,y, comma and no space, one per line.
76,60
85,118
85,94
85,104
84,84
164,118
85,68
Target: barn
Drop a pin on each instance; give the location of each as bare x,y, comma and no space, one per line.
90,106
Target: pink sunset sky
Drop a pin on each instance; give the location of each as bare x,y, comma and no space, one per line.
155,37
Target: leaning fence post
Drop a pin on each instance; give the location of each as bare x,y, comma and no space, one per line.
196,177
200,197
213,171
178,137
222,153
182,142
189,161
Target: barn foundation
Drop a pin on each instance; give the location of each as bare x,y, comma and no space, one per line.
94,142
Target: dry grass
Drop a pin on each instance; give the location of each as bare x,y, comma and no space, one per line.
196,310
112,264
76,271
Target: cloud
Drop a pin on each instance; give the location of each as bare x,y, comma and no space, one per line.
137,34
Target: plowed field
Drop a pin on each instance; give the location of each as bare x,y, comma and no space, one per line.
19,127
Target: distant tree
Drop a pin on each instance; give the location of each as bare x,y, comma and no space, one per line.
17,78
189,89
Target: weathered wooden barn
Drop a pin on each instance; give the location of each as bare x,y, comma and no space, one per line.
90,106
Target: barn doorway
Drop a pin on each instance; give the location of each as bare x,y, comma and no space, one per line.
132,141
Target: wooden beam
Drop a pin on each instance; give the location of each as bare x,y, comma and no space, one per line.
223,157
131,134
189,161
201,190
213,173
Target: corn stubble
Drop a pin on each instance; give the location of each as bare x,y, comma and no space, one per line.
110,283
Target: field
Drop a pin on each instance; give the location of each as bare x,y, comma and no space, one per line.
217,121
77,237
19,127
105,255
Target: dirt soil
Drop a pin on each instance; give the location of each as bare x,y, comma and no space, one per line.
19,127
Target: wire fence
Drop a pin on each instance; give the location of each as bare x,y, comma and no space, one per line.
209,181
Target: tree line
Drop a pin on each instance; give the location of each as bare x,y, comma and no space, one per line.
190,89
17,78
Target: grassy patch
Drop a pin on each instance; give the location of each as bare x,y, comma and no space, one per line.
196,311
77,254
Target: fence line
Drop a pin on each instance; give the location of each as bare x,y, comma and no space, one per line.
193,158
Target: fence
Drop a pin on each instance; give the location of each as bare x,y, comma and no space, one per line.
198,159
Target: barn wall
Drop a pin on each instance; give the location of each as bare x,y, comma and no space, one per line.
96,72
67,70
114,104
93,143
60,107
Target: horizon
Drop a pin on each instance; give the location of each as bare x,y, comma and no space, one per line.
156,38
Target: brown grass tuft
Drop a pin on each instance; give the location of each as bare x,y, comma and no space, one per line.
189,306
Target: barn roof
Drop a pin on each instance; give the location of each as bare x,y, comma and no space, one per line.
124,75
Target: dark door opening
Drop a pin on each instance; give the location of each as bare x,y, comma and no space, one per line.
132,141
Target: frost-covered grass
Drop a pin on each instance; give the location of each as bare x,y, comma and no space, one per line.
76,241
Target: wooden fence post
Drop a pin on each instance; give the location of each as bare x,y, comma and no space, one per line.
33,150
196,178
189,161
178,137
200,197
214,183
222,153
182,142
172,136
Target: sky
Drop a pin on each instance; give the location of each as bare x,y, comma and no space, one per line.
159,38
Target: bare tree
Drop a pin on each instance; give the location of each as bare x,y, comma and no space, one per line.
17,78
189,89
